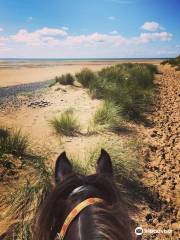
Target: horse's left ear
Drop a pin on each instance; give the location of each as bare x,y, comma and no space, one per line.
104,164
63,168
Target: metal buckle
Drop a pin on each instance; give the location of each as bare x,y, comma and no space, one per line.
58,237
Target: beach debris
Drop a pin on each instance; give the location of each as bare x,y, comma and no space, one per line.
40,104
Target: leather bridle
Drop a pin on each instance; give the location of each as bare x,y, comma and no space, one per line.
74,213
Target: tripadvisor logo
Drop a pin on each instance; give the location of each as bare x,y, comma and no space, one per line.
139,231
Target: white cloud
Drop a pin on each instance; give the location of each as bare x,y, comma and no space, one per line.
59,42
46,36
51,31
150,37
1,29
65,28
111,18
38,37
94,39
151,26
2,38
114,32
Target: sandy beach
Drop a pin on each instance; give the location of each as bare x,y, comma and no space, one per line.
12,74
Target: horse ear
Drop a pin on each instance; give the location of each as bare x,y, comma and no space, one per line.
63,167
104,164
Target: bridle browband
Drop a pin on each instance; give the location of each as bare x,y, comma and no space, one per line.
75,212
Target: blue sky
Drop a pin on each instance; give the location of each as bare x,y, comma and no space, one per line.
83,28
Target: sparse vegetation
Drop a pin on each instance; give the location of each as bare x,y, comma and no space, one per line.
66,123
174,62
22,200
65,79
86,77
129,86
107,115
125,163
13,141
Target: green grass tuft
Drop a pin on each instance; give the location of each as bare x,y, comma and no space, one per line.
86,77
66,124
65,79
13,141
107,115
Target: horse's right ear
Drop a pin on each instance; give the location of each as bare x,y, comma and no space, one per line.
104,164
63,168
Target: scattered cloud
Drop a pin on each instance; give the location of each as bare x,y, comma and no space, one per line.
38,37
65,28
150,37
1,29
2,38
151,26
3,44
114,32
112,18
59,42
94,38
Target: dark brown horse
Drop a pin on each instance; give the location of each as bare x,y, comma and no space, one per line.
104,220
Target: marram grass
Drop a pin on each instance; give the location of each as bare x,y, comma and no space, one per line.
66,124
13,141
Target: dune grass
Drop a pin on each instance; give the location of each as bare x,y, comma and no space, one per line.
124,158
128,85
174,62
13,141
22,200
65,79
107,116
86,77
66,123
21,197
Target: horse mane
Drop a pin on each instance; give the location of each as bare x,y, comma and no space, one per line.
108,220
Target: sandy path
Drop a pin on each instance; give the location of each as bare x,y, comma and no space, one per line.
34,121
162,158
